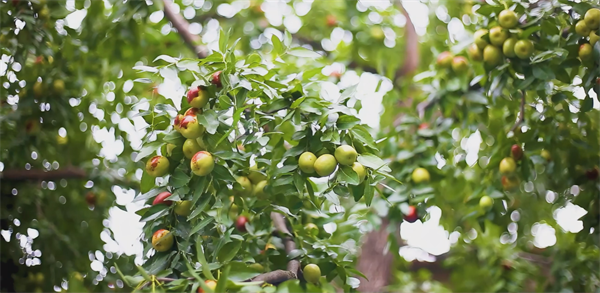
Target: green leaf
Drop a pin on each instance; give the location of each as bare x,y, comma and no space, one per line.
210,120
347,175
240,272
277,45
201,225
587,104
155,212
179,178
373,162
202,260
363,136
369,192
148,149
223,40
347,122
222,173
228,251
147,182
303,52
487,10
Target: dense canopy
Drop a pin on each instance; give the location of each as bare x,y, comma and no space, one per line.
299,146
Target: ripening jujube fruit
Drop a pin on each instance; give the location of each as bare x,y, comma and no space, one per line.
460,64
255,176
508,19
162,240
157,166
161,199
420,175
210,284
498,35
582,29
508,48
480,41
216,79
444,59
246,186
183,208
306,162
475,53
592,18
507,165
412,214
240,223
58,86
259,189
585,52
190,128
190,148
312,273
485,202
594,38
524,49
360,170
325,165
516,152
546,155
177,122
197,97
202,163
492,56
345,155
331,21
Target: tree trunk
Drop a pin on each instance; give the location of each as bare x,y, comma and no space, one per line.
374,261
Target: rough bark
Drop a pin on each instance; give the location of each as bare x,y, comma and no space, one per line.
374,262
182,26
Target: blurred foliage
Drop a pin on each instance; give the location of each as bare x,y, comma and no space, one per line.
47,126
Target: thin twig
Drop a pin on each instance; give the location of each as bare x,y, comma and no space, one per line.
69,172
521,118
182,27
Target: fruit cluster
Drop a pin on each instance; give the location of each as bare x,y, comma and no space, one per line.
503,40
326,164
459,64
508,166
588,28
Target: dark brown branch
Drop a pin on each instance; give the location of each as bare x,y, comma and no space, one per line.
275,277
182,27
42,175
411,54
521,118
293,266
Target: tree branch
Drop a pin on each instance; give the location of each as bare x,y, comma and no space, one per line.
521,118
411,55
69,172
293,266
182,27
